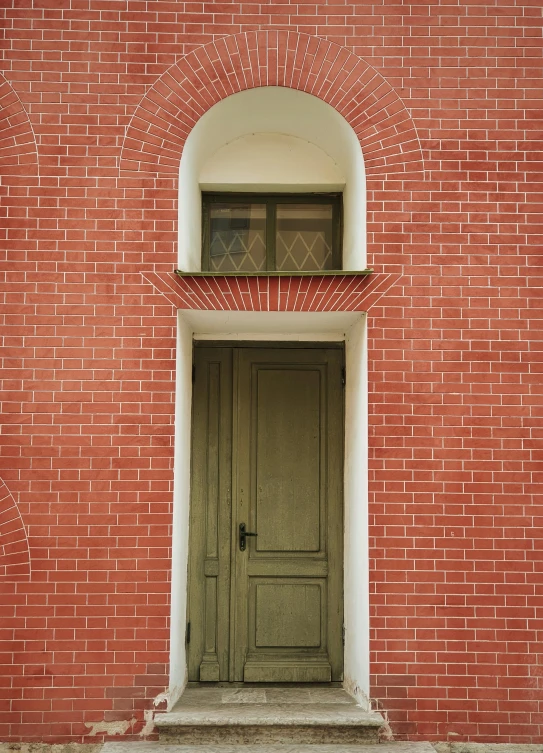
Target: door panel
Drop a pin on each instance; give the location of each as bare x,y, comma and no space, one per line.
287,476
298,607
273,459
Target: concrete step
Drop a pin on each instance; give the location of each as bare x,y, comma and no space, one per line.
277,724
267,716
143,747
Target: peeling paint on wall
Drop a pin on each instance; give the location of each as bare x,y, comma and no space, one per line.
110,728
162,700
149,726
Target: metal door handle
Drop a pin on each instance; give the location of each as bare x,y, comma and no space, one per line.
242,535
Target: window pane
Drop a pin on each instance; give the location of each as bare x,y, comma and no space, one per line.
304,237
237,237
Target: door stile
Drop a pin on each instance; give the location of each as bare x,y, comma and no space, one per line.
335,521
238,509
210,516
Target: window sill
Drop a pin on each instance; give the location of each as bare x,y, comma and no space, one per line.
274,273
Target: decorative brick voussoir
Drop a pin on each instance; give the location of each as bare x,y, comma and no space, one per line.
14,551
18,155
311,293
155,138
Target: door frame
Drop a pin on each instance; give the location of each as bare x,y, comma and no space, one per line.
282,327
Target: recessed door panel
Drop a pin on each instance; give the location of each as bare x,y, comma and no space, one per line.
287,454
287,614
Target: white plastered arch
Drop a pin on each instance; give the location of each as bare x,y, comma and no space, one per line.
272,139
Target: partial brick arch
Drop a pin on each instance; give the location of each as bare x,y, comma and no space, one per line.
14,550
18,153
161,123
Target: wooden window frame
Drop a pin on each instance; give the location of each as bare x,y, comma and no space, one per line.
271,200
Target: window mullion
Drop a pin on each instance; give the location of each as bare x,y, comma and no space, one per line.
206,235
337,233
270,234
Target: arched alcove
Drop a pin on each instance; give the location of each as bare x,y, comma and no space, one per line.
272,139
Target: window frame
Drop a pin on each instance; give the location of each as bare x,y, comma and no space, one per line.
270,200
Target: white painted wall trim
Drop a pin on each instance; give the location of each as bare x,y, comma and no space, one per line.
181,506
271,326
356,563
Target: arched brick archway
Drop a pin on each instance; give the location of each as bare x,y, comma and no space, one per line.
161,123
19,171
18,154
14,551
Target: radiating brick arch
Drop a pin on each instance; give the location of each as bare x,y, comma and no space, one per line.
18,154
160,125
14,551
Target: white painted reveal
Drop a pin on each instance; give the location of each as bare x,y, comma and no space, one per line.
181,501
356,562
273,162
272,138
281,326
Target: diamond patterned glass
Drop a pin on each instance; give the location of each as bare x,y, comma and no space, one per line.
304,237
237,237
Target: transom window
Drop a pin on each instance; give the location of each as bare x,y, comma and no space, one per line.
271,232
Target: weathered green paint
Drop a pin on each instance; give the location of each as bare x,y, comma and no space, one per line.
210,520
267,452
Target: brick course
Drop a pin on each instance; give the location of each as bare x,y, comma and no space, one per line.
96,103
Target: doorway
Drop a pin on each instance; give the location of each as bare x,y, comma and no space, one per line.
266,523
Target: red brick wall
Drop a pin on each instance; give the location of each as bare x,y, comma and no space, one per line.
455,348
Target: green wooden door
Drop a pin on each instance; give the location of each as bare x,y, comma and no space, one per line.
267,453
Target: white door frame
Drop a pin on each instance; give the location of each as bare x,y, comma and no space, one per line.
295,326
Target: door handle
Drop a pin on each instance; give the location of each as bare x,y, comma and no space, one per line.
242,535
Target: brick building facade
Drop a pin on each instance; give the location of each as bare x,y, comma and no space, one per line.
97,98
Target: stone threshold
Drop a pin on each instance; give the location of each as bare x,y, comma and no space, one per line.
267,716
